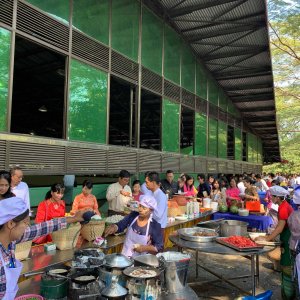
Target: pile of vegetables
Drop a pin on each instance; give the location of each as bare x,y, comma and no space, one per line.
240,241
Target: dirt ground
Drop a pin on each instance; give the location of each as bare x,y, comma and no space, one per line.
230,266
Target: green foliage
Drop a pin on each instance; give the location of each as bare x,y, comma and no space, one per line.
284,20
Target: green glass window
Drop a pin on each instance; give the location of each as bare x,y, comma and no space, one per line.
238,143
222,140
170,126
152,41
201,81
172,46
87,103
252,148
213,91
60,9
259,151
200,134
125,27
92,18
187,69
223,101
212,137
230,108
5,40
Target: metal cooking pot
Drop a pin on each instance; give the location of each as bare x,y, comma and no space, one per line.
232,227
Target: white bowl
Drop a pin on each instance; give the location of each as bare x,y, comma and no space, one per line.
243,212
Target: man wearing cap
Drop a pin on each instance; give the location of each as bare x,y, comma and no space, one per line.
14,228
279,195
294,225
143,232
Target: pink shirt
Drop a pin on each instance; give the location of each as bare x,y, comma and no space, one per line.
233,193
189,190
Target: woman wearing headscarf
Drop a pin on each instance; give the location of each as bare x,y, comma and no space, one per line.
144,234
14,228
279,195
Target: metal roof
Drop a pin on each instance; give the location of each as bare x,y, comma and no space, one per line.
231,38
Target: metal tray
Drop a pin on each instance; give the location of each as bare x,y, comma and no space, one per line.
221,241
129,270
188,234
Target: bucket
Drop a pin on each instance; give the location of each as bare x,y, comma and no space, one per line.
176,269
54,288
206,202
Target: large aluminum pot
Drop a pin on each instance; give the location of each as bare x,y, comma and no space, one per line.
232,227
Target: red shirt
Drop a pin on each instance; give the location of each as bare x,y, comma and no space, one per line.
284,211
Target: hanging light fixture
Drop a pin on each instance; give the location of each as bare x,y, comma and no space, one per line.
43,108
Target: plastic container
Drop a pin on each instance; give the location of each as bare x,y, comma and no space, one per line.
206,202
264,296
54,288
214,205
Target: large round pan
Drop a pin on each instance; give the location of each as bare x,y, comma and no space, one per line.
128,272
188,234
82,281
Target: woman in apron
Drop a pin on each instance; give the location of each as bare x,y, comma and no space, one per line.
284,211
143,232
14,228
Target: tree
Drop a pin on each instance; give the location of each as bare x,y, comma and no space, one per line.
284,20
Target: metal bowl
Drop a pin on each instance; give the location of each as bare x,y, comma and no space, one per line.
188,234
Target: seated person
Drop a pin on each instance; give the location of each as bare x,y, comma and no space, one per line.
144,234
52,207
136,190
85,200
233,194
188,188
250,191
5,180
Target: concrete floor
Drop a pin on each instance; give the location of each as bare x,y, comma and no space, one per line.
231,266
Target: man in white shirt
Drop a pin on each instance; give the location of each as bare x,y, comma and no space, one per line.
19,187
261,184
160,214
241,185
118,194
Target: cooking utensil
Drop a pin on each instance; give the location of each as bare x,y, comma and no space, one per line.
146,260
114,289
117,260
128,272
84,281
232,227
188,234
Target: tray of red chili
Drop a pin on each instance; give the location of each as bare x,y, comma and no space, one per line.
239,243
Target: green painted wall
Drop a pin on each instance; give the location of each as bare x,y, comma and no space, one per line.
252,148
212,137
200,134
5,40
213,91
60,9
152,41
170,126
187,69
87,103
201,81
92,18
172,49
125,27
238,146
222,140
222,100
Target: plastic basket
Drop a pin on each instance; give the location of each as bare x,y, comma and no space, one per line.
66,238
22,250
92,230
25,297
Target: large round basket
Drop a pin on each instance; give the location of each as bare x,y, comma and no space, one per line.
66,238
29,296
92,230
22,250
173,211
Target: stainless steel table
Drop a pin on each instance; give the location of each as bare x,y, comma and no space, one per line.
216,248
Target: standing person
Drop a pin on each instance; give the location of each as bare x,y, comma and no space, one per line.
232,194
86,200
52,207
168,185
161,211
19,187
261,184
216,194
279,195
136,190
5,181
15,228
144,188
294,225
241,185
69,181
118,194
203,188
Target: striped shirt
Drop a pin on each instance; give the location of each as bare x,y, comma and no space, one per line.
30,233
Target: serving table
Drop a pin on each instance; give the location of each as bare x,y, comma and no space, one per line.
261,223
216,248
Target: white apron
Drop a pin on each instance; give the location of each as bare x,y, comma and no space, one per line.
12,276
134,238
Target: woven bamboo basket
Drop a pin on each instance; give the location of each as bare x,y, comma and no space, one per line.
22,250
173,211
66,238
92,230
182,209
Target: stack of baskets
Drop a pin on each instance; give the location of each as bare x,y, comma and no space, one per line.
92,230
66,238
22,250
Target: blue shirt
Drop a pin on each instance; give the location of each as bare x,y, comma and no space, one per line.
145,190
160,214
155,235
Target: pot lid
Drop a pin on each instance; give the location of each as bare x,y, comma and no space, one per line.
114,289
147,259
117,260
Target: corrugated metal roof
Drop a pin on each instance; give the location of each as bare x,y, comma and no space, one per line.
231,38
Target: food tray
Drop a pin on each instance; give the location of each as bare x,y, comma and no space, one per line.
188,234
241,249
254,235
128,271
